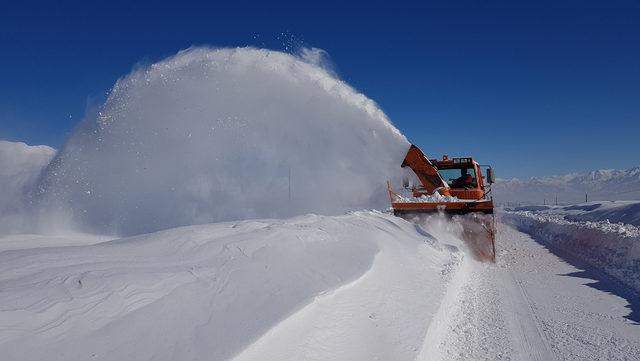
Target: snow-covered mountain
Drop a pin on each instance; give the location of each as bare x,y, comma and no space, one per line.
604,184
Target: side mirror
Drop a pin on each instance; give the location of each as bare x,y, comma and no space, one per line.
405,182
491,177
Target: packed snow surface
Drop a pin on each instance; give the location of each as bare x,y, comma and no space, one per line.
222,134
587,232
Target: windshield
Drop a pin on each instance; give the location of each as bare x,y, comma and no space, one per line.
458,177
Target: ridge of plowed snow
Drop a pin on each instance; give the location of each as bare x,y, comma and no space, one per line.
612,248
531,305
211,291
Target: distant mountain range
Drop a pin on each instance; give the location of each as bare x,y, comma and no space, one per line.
598,185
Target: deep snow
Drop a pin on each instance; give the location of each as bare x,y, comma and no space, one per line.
586,232
360,286
363,286
203,136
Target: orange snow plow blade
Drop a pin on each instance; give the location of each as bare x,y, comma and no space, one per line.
477,220
453,187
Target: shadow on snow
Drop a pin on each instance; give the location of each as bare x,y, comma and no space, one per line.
601,281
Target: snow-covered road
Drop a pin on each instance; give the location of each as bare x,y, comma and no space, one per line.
532,305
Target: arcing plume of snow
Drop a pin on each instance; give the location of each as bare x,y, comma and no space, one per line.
361,286
600,185
319,57
220,134
20,167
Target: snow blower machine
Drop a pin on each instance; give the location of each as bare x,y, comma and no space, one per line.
452,187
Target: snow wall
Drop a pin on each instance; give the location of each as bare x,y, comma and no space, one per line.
222,134
612,248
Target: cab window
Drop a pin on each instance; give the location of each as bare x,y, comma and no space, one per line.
455,177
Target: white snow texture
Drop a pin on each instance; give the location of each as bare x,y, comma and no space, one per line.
216,134
589,232
20,167
366,282
221,134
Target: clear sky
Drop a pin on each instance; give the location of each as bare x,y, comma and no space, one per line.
533,87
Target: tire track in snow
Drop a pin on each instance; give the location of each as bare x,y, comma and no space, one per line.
486,315
570,319
529,340
470,325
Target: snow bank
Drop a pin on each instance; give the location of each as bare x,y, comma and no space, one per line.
627,212
20,167
359,286
220,134
613,248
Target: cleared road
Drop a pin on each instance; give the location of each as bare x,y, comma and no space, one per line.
533,305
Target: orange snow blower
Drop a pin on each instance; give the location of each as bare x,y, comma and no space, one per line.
453,187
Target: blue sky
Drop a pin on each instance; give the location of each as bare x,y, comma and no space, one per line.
533,87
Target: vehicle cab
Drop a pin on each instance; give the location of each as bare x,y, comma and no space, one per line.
464,177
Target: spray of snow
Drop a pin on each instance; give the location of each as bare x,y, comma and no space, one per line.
20,166
219,134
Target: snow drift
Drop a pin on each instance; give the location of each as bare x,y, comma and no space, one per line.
20,167
220,134
359,286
